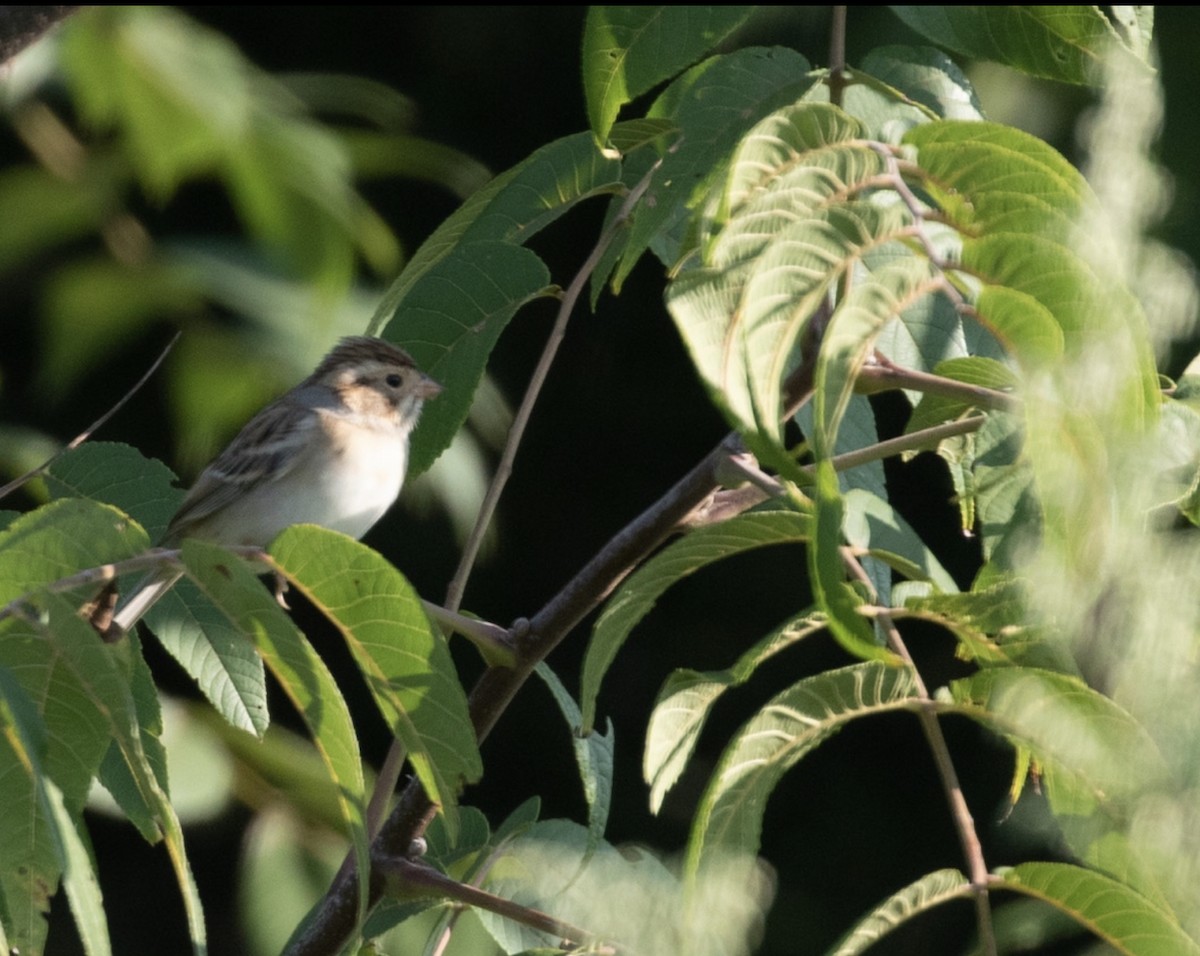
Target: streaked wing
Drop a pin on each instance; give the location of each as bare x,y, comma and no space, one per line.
270,446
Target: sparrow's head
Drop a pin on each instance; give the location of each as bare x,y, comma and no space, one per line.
374,376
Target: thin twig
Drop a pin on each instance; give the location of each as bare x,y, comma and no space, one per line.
416,876
389,772
724,504
458,583
882,375
94,426
101,574
493,641
926,713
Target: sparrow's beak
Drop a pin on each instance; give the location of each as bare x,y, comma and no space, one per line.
427,388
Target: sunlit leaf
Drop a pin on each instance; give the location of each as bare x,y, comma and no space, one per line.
1096,750
786,729
687,698
927,893
1123,918
713,104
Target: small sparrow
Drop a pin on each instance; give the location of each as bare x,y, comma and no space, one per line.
333,451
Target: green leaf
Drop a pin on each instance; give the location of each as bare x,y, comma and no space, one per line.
1120,916
593,755
1093,751
973,370
827,571
305,679
854,325
1053,42
121,476
80,881
1003,490
31,864
926,77
22,744
927,893
713,104
994,178
61,538
214,651
743,326
42,209
639,593
788,727
83,688
871,524
629,50
407,665
688,697
451,320
512,208
624,896
115,773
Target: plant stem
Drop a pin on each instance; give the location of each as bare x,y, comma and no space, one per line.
416,876
964,823
837,55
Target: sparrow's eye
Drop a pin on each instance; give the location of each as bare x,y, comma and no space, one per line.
395,380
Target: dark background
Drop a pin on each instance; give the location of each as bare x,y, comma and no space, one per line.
622,417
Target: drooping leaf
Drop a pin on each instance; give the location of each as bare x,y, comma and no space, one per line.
215,652
927,893
638,594
687,698
786,728
1123,918
451,320
827,571
593,756
300,671
629,50
407,666
1057,43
